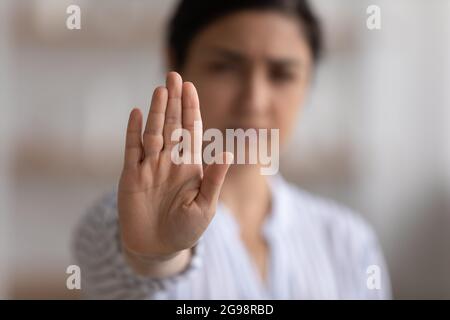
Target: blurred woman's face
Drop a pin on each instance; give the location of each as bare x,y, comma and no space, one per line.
251,70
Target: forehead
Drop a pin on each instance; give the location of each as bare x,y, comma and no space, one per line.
255,34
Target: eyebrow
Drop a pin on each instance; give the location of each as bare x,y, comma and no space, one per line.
240,58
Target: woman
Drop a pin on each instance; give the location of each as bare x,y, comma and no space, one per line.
189,231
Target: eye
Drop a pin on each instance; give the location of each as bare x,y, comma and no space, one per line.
221,66
281,75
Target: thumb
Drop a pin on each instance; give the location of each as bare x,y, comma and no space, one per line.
213,178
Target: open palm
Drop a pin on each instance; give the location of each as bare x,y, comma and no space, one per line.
164,207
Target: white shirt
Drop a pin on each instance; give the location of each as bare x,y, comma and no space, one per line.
317,250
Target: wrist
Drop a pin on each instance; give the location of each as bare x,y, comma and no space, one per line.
157,265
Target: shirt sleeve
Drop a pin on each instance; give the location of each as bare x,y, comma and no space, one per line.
363,270
372,269
105,274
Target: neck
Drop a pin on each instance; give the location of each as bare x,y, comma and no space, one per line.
246,193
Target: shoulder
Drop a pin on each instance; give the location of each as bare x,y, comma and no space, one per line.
344,237
327,216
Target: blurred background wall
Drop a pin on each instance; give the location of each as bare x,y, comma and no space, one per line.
375,134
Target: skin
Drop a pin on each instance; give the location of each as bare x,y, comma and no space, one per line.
251,69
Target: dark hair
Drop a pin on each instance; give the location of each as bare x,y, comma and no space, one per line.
191,16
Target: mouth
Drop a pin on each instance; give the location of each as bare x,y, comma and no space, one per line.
246,126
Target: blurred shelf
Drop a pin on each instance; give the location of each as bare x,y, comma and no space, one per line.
104,24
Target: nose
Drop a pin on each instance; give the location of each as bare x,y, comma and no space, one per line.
255,94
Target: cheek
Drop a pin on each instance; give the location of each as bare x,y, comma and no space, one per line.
284,121
287,122
216,102
285,114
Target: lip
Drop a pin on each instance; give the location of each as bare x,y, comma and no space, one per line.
247,126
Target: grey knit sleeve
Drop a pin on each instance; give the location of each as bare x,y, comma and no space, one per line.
105,274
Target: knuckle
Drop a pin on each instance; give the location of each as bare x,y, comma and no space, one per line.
172,119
